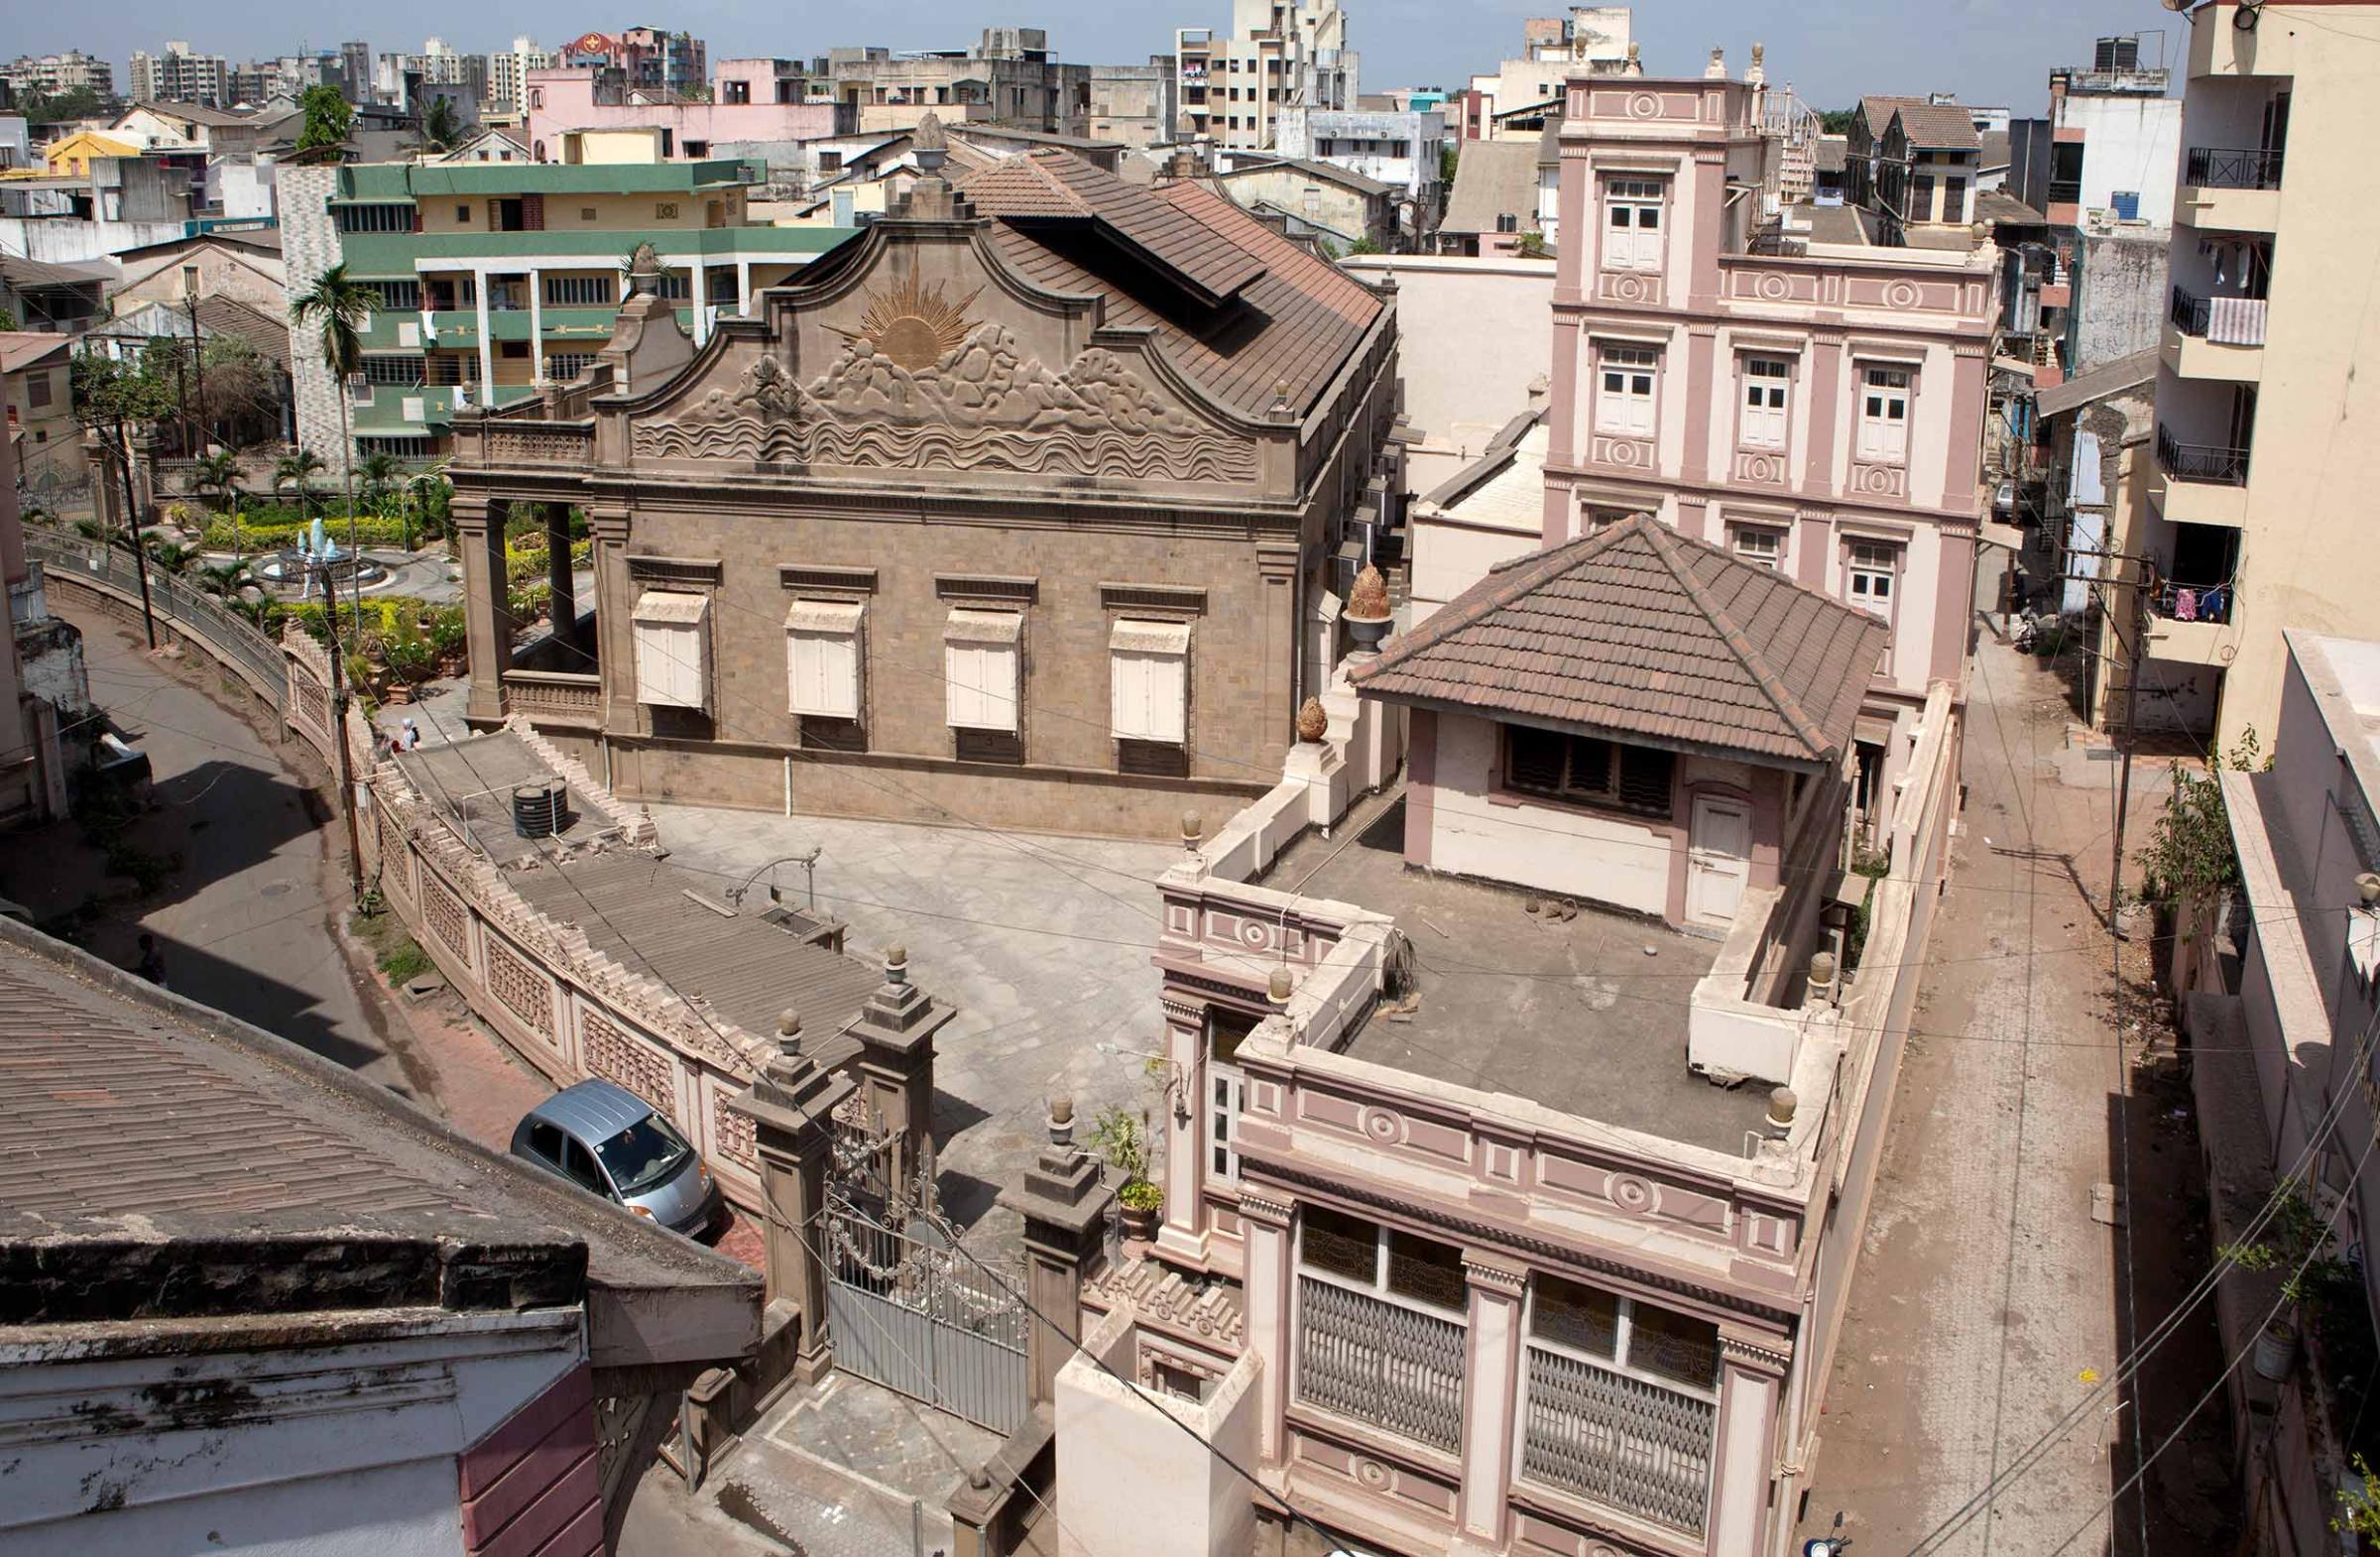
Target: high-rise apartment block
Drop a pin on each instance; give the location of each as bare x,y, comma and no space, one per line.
507,74
2253,519
1279,53
63,72
179,76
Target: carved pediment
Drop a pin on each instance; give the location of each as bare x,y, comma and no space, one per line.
979,405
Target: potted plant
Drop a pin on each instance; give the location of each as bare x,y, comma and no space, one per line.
1367,613
1122,1139
2297,1239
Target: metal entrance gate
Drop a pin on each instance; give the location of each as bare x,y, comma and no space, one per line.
907,1310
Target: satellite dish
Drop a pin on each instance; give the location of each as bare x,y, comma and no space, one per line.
2178,5
2250,11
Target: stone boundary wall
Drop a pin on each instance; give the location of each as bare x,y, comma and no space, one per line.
571,1011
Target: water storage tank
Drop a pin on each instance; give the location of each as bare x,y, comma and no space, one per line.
540,808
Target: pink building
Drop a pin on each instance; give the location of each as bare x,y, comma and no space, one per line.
1521,1094
750,101
1816,406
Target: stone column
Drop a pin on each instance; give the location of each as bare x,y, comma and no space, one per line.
1264,1223
1828,410
565,588
615,646
1750,1393
896,1029
1281,629
1491,1390
792,1110
488,623
1065,1209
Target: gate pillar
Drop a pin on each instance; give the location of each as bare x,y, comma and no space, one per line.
896,1029
792,1112
1065,1209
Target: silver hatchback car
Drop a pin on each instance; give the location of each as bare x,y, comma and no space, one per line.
607,1139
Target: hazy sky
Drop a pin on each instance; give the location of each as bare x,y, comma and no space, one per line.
1986,51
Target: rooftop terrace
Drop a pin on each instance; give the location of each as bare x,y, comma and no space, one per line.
1586,1013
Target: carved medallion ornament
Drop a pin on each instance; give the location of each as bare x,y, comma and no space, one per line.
920,387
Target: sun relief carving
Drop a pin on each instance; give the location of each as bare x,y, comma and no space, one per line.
913,325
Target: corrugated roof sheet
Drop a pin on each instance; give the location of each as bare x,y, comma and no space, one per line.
636,910
2111,378
1492,179
1638,631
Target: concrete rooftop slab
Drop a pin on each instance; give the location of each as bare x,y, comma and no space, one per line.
1586,1014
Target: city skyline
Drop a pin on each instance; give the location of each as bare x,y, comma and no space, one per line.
1986,51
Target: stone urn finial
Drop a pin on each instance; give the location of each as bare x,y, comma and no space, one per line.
643,270
788,1033
1370,598
1313,722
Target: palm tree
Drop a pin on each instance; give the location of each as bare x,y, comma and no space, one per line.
298,470
440,125
382,471
219,473
337,307
226,581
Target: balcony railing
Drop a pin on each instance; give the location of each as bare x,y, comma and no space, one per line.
2177,602
2232,168
2214,462
2224,321
1380,1363
2066,191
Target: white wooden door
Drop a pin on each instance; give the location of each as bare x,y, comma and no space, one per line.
1718,860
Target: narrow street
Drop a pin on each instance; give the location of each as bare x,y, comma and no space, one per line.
1989,1299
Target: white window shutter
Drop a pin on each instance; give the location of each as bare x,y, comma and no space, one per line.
1168,698
963,678
673,639
822,658
1148,665
1128,683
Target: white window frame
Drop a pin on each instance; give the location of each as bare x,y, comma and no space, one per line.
825,658
1630,243
1225,1100
1765,548
1885,394
1766,397
1627,389
1871,576
1148,681
978,694
671,631
1623,1337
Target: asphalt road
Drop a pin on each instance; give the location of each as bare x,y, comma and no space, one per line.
253,872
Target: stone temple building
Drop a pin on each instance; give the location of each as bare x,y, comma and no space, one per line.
1033,503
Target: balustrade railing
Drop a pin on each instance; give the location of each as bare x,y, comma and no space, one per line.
1373,1361
174,599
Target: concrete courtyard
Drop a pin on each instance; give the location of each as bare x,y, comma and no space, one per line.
1043,944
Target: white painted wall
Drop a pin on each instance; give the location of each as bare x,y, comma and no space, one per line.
1474,337
1450,557
2129,143
1552,848
355,1459
1129,1480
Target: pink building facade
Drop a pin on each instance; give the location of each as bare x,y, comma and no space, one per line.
744,107
1818,407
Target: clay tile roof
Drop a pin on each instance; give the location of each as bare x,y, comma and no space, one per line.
1938,125
267,336
1877,109
1291,325
1492,179
1640,632
1054,184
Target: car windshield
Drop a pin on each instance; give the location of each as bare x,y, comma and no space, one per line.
644,1155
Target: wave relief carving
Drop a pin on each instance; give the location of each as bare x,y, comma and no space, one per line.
982,405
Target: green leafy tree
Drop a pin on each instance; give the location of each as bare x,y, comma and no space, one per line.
327,118
2189,857
114,399
336,308
80,102
1837,121
381,471
218,475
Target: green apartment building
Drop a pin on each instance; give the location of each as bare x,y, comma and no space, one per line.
497,276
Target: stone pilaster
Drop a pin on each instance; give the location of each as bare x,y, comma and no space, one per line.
1491,1395
792,1110
564,586
896,1029
1065,1209
1751,1390
1264,1221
